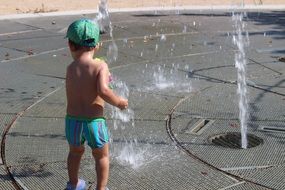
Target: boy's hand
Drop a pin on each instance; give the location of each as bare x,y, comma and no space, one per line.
123,104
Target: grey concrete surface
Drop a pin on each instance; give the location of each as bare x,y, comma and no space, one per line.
179,70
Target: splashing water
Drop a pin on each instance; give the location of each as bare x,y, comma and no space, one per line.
122,117
136,157
170,78
105,24
240,63
103,18
160,80
129,153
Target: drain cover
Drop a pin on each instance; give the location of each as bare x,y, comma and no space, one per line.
233,140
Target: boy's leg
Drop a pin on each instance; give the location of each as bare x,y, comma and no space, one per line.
101,156
73,163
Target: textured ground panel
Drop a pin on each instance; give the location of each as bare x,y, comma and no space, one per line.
244,186
5,180
40,176
271,176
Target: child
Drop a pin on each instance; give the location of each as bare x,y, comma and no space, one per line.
86,90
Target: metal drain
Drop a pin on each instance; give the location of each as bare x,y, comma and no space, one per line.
233,140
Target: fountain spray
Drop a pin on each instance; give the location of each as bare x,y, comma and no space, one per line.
105,24
241,41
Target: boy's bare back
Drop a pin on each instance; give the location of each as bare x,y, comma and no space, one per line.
82,78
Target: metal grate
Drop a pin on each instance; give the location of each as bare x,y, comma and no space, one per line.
233,140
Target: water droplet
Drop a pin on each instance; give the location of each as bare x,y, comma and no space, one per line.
112,53
184,29
156,47
163,37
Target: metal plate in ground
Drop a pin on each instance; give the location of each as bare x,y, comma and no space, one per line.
53,106
5,120
151,106
235,161
275,83
42,176
145,132
158,173
221,101
44,141
154,78
266,154
157,154
269,176
22,90
5,181
217,101
245,186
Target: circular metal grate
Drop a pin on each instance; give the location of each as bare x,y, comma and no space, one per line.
233,140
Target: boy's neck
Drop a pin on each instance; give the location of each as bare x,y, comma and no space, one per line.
82,55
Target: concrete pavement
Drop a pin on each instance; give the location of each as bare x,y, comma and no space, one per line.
179,69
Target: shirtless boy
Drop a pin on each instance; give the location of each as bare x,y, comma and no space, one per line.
86,90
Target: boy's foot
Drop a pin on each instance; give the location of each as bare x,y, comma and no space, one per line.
81,185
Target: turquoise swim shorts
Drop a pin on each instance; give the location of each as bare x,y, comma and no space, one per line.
94,131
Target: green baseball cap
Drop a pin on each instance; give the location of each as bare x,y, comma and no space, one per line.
84,32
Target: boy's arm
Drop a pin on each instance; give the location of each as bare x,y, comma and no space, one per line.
105,92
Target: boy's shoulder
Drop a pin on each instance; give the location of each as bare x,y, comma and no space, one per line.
99,63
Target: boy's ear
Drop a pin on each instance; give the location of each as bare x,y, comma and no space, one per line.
71,46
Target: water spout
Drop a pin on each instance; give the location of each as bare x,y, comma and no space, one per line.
105,24
241,41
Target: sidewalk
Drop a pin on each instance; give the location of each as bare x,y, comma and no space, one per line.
45,6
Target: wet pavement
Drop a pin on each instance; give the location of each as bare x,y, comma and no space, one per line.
180,72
